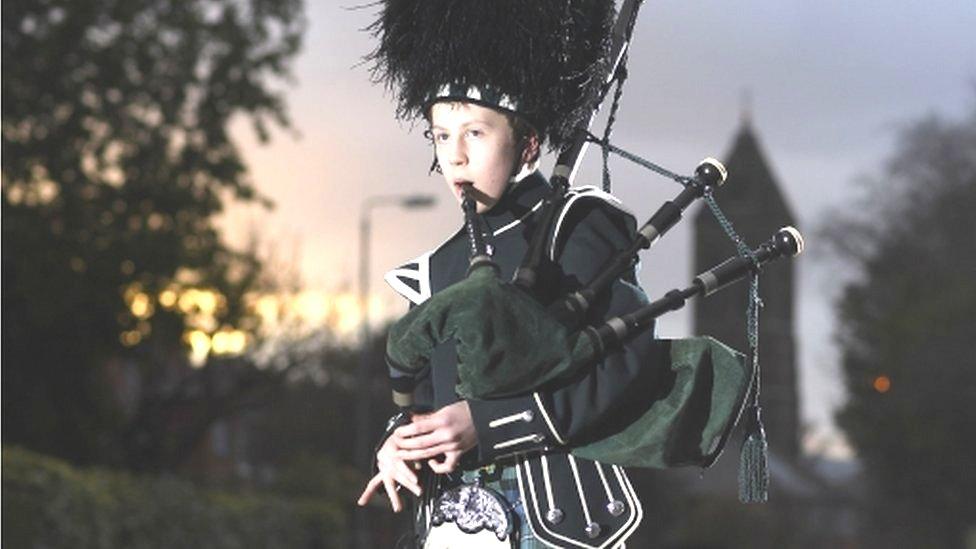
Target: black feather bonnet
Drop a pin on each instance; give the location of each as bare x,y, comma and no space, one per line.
542,59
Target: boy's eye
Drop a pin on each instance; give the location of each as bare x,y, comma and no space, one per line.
474,132
436,137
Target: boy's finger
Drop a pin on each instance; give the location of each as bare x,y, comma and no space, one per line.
392,494
423,453
369,490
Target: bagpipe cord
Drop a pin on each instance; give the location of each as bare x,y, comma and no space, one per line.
753,460
619,77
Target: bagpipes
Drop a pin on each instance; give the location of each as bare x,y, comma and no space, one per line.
510,343
497,325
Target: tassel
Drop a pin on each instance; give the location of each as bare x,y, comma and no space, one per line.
753,461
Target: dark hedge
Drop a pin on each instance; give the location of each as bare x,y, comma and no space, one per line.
48,503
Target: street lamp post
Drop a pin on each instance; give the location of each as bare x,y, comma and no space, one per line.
363,444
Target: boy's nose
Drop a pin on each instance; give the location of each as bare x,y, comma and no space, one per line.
457,155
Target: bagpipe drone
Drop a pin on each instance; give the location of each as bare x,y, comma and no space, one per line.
508,341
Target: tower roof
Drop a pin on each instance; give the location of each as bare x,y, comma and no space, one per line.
751,191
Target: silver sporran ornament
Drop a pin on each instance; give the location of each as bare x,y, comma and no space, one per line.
472,515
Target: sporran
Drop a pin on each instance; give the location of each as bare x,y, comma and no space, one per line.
471,516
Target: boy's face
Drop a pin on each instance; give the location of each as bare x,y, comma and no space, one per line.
475,145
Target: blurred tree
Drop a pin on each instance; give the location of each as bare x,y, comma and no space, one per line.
310,421
908,335
304,441
116,157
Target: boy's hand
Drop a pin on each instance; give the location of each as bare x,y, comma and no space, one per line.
449,431
394,472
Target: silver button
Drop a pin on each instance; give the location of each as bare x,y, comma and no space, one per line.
554,516
615,507
592,530
527,416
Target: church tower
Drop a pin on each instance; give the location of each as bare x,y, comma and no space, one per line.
752,201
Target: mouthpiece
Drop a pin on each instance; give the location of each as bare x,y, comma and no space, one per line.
788,241
711,173
478,252
468,203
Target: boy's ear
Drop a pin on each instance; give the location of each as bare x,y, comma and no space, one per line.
530,151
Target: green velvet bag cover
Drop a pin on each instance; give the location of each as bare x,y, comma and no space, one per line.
507,343
689,417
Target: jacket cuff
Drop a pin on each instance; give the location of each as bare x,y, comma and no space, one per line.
511,426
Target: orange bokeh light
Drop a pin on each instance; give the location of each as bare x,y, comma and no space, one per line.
882,384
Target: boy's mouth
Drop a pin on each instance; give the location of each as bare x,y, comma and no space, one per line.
461,184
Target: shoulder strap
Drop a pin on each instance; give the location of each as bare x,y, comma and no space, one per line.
573,197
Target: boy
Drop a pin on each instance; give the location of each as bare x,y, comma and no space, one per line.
579,500
495,81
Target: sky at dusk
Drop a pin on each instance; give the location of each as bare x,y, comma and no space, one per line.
828,83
